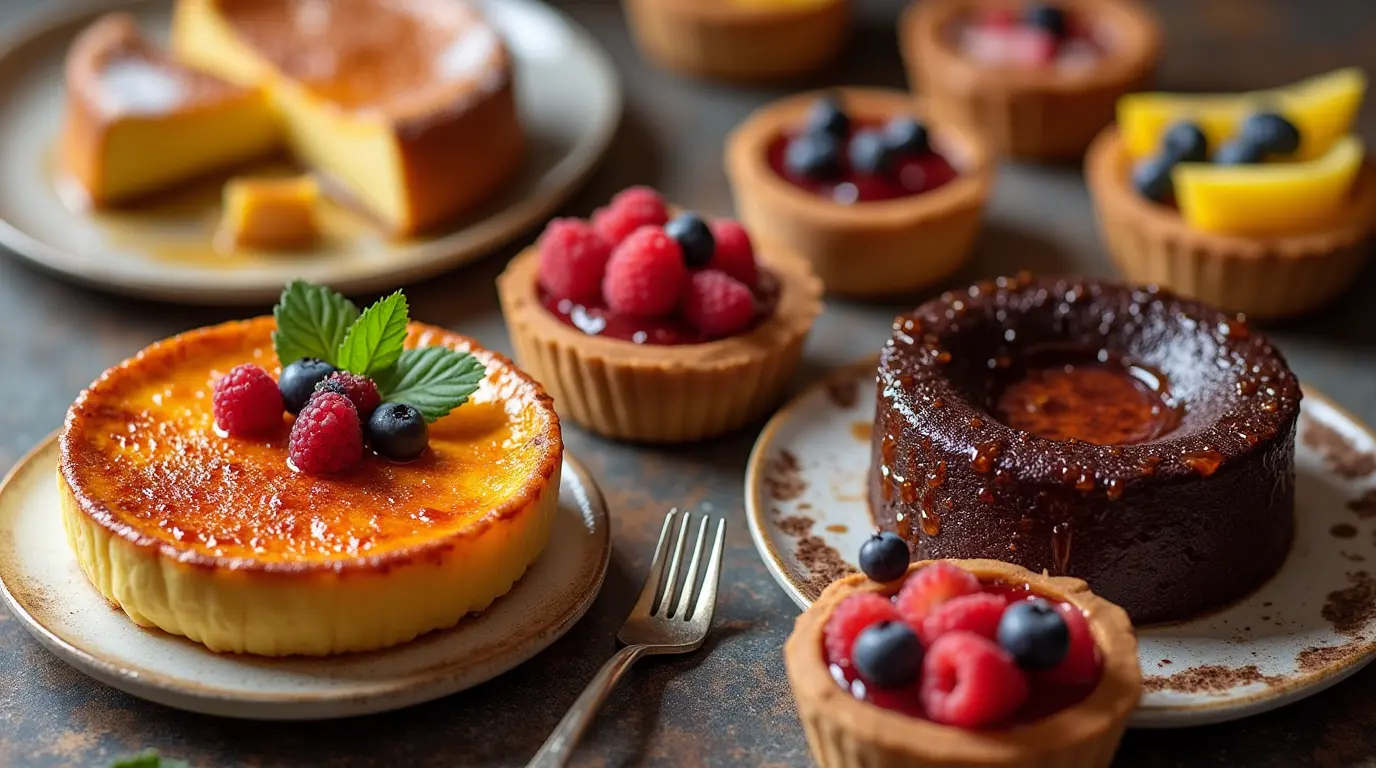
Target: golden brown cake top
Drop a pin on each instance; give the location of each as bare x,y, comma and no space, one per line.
141,455
397,57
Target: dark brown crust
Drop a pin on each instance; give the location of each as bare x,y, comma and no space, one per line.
1164,541
76,456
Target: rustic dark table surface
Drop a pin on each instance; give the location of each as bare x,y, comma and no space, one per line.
728,704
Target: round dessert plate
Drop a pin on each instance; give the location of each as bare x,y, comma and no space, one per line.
1311,626
44,587
569,100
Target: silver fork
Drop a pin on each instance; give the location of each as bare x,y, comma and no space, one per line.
656,626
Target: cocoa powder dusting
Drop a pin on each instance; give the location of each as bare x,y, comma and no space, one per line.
823,562
1364,505
1349,610
783,477
795,525
1338,452
844,392
1210,678
1316,658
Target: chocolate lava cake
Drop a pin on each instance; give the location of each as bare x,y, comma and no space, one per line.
1139,441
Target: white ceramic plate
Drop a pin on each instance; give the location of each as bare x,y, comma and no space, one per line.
569,97
43,586
1311,626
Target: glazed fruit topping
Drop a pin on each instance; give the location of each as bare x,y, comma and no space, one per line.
1044,34
851,617
327,438
684,280
397,431
884,557
887,654
1259,137
1270,132
1035,634
1185,142
970,682
980,613
927,589
246,401
360,390
299,379
827,117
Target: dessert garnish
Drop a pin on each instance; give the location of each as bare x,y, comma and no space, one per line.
855,161
343,365
1043,34
637,274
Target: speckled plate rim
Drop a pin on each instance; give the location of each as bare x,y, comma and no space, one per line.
431,257
1235,707
435,681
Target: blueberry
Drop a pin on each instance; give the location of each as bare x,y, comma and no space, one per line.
1048,18
907,136
694,238
870,153
1034,634
884,557
298,381
1273,134
826,116
887,654
1152,177
1185,141
397,431
816,157
1239,152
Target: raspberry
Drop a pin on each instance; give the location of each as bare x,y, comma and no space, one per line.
931,586
978,613
247,401
735,255
850,618
968,681
630,210
573,259
360,390
645,275
1081,664
717,304
327,437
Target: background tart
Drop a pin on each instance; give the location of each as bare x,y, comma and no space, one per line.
406,105
218,539
874,248
1191,510
845,732
747,40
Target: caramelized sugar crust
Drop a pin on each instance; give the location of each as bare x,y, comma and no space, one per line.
141,456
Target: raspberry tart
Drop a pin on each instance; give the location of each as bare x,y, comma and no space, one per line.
1261,203
962,663
1139,441
656,325
882,197
368,491
1040,78
740,40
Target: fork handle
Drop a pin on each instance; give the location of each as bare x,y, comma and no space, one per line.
558,748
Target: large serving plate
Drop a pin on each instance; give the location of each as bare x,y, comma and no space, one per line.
569,99
43,586
1311,626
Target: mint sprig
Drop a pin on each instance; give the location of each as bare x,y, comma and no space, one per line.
314,321
147,759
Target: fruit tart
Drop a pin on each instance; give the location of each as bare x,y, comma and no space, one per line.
656,325
961,663
1040,78
316,482
882,197
740,40
1260,203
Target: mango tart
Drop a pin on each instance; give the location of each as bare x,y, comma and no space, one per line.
870,248
1040,113
743,40
1264,275
218,539
845,732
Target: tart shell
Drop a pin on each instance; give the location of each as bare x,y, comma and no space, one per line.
662,394
1029,113
880,248
844,732
1263,277
729,40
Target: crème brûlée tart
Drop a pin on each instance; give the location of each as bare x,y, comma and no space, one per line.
217,538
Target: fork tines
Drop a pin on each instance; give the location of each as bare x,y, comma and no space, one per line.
695,601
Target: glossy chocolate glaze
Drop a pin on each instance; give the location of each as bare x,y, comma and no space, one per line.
1168,527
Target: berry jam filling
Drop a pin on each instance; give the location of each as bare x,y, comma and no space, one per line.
852,161
1042,35
957,651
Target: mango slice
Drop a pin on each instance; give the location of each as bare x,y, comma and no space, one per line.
1268,198
1322,107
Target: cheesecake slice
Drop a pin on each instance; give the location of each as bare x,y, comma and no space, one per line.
404,106
138,122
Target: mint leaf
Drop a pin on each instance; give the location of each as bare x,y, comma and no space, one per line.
375,340
147,759
312,321
435,380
